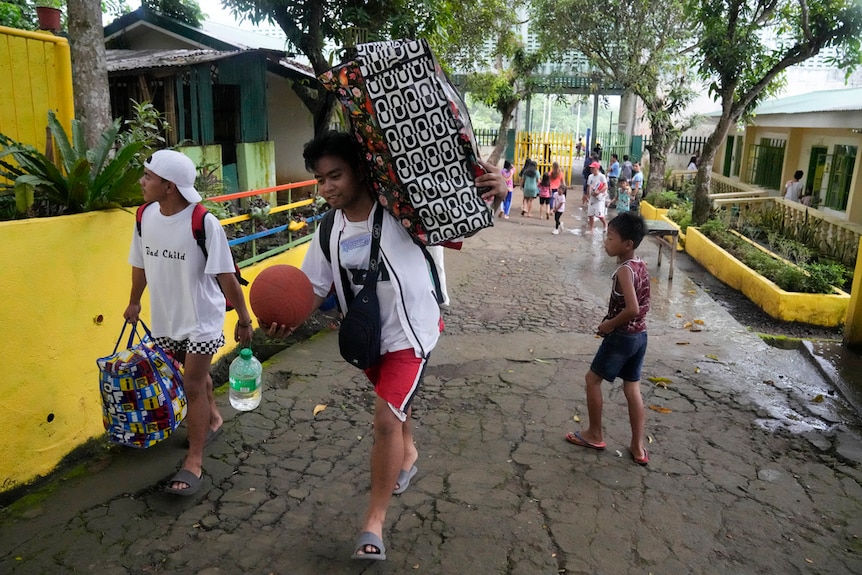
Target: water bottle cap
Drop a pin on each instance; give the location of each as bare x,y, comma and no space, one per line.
245,353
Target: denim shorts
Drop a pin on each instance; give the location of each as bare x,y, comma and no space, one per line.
620,355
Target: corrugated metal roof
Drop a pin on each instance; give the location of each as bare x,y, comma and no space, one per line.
843,100
128,60
244,38
122,60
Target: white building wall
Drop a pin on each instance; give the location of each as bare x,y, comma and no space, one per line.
290,126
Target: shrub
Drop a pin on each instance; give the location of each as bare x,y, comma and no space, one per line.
805,278
681,215
663,200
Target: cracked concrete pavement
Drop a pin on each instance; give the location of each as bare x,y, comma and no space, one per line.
750,472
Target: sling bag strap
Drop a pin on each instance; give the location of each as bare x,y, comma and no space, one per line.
325,232
373,261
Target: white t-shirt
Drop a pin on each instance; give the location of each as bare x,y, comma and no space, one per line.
794,191
409,314
185,298
559,202
594,182
355,251
637,184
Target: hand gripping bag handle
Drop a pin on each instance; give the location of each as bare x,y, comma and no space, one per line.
132,335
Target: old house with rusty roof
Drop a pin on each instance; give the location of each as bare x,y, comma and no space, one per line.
227,93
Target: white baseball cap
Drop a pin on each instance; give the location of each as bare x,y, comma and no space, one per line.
178,168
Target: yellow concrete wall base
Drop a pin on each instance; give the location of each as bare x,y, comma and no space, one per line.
816,309
680,246
650,212
853,327
66,282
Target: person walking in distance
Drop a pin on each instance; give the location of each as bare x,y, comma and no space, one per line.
637,193
187,307
622,351
559,208
598,187
508,172
530,187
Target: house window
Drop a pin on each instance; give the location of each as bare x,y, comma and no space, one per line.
764,163
838,186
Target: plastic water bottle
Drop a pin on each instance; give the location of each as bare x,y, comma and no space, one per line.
245,381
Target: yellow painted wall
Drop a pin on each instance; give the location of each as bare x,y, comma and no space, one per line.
816,309
650,212
853,325
57,276
36,71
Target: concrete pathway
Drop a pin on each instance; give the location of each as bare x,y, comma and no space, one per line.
754,457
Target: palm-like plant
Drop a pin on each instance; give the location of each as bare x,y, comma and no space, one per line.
84,179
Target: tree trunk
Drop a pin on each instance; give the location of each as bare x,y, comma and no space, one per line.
500,145
700,209
89,68
663,141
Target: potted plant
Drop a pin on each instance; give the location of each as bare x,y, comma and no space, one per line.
49,14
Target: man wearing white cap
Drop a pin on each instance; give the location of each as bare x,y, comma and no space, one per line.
597,184
187,306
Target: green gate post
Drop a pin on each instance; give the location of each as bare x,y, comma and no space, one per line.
510,145
636,148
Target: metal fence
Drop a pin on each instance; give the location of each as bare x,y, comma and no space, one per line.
684,145
289,235
487,137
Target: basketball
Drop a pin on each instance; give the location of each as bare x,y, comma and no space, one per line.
281,294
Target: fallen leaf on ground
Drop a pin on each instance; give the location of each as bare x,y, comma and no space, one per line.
577,419
649,438
659,380
679,315
660,409
686,325
818,398
713,357
319,407
698,321
682,343
696,369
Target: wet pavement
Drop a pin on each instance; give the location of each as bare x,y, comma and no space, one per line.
755,455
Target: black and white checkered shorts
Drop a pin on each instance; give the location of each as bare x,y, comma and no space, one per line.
202,348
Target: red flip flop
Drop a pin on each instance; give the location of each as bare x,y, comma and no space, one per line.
578,440
640,460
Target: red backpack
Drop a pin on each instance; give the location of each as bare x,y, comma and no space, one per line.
200,235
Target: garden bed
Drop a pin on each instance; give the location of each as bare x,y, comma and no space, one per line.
811,308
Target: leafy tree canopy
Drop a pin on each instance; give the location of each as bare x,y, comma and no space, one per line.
187,11
746,45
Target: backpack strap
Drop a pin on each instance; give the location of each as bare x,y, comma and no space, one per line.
139,215
198,229
324,232
199,232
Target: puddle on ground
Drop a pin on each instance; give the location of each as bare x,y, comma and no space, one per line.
781,342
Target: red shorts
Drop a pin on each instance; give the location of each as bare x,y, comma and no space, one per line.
396,379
